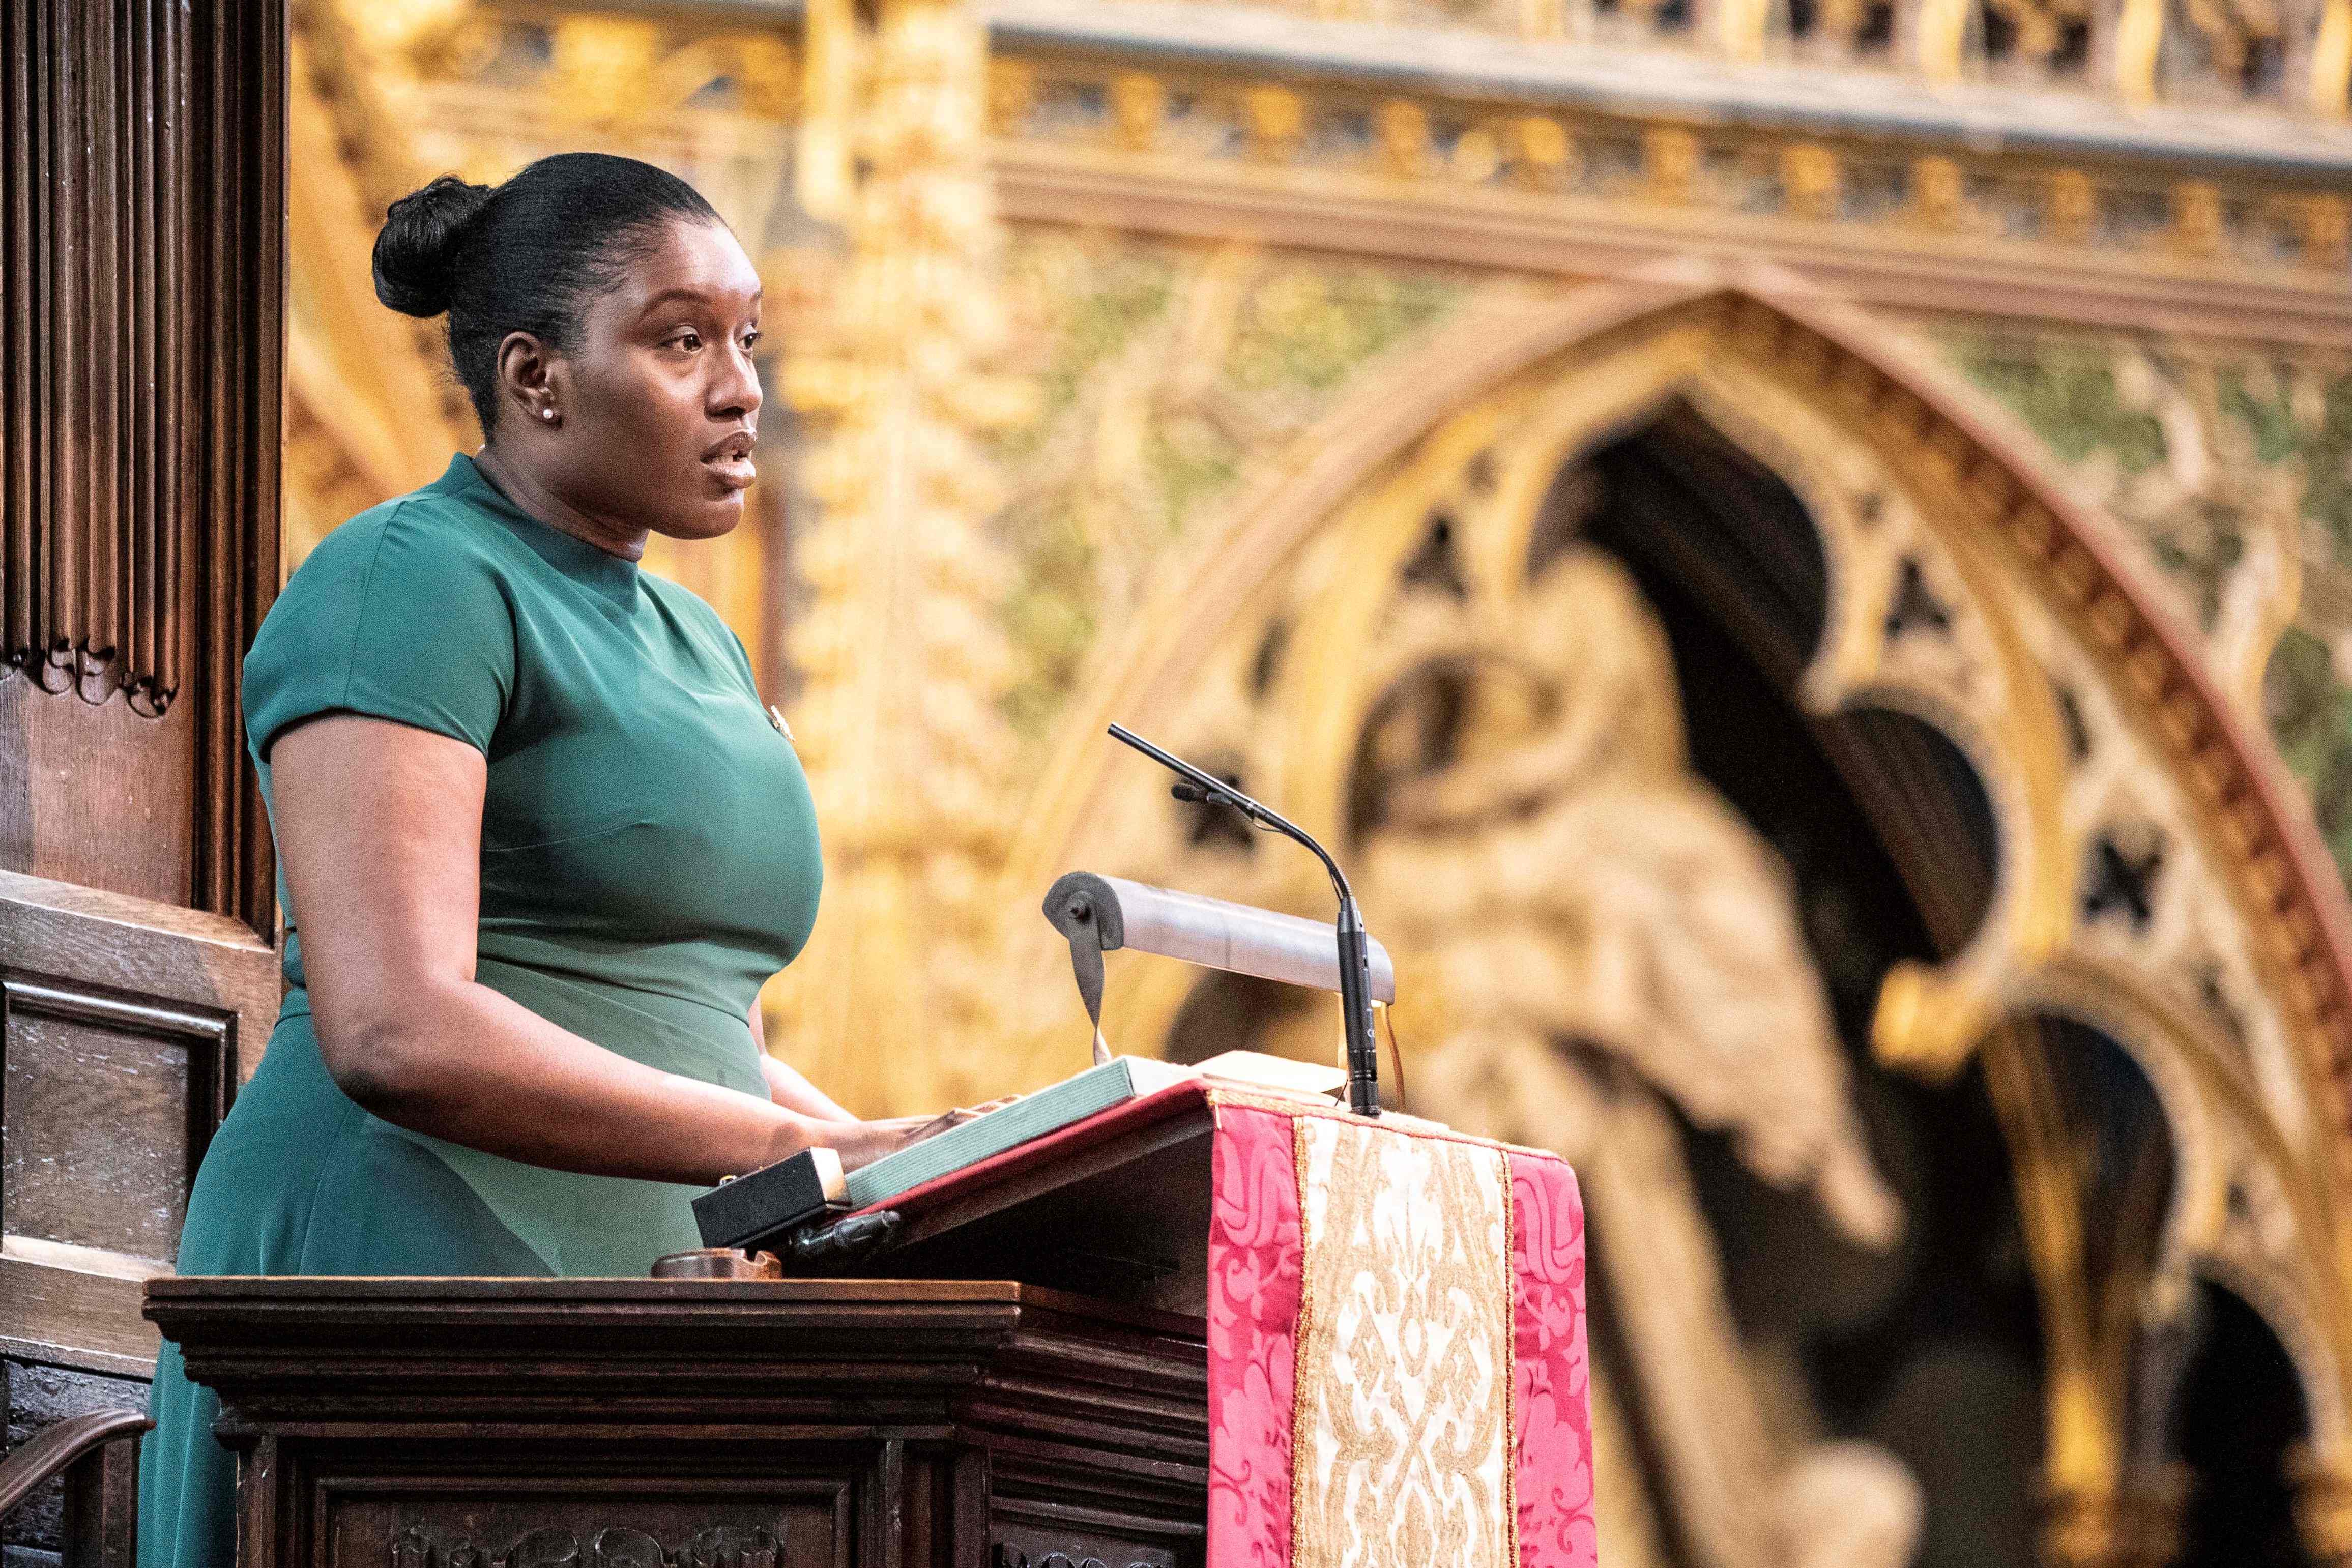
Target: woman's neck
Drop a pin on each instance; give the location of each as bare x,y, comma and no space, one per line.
542,503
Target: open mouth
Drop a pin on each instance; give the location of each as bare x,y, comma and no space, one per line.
730,461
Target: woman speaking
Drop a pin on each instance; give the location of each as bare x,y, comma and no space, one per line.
539,843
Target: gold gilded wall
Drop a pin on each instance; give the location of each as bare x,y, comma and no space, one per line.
2226,460
1801,552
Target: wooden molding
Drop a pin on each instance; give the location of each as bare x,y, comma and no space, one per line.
142,210
695,1351
117,1074
428,1422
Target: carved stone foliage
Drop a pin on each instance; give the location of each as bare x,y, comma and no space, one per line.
2215,53
904,665
2233,469
599,72
1505,162
1166,376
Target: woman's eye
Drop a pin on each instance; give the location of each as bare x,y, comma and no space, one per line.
687,341
751,338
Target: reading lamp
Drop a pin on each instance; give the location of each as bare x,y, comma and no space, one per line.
1100,914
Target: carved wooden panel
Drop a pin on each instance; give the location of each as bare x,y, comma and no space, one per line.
608,1525
1074,1549
112,1078
97,543
881,1423
141,206
141,211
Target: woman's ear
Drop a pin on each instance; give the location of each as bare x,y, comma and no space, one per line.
527,381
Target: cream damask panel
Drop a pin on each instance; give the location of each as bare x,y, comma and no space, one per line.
1403,1372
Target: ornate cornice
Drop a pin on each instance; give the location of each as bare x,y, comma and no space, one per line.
2022,193
1479,172
1822,95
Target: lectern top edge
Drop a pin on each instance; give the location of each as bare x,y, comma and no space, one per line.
430,1289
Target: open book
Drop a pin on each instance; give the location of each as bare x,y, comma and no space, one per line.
757,1208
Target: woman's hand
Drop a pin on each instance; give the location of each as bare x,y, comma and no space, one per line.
862,1142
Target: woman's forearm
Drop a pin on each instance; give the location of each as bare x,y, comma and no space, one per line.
460,1061
789,1088
786,1086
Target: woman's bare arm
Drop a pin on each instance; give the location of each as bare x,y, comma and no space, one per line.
786,1086
379,825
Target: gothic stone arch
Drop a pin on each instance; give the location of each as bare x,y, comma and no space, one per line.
2156,875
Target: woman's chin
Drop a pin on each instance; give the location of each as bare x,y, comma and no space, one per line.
709,518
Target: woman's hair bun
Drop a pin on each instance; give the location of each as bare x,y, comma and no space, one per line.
416,251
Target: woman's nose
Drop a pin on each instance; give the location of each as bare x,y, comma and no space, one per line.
738,389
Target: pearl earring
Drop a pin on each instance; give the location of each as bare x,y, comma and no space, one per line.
547,414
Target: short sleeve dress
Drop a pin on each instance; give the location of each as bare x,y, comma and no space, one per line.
649,859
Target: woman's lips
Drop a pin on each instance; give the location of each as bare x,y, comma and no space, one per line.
730,460
735,473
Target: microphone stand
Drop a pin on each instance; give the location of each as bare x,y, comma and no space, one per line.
1355,960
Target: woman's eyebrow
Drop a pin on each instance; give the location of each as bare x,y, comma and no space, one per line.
689,295
692,296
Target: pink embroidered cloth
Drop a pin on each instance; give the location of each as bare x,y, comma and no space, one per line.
1396,1335
1397,1357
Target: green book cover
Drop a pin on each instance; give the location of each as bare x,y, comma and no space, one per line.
1031,1116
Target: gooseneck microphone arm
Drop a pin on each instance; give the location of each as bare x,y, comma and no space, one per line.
1355,962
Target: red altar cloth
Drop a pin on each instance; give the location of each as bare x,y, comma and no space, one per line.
1398,1373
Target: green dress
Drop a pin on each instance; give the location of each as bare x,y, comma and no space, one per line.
650,858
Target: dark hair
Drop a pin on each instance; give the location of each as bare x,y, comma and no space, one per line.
526,256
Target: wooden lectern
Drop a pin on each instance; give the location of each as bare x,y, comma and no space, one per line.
1389,1319
963,1422
701,1423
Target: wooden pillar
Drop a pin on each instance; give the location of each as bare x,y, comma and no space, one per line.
142,206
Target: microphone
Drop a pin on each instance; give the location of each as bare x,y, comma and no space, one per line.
1204,788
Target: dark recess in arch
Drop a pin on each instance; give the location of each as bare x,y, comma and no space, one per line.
2241,1412
1892,844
